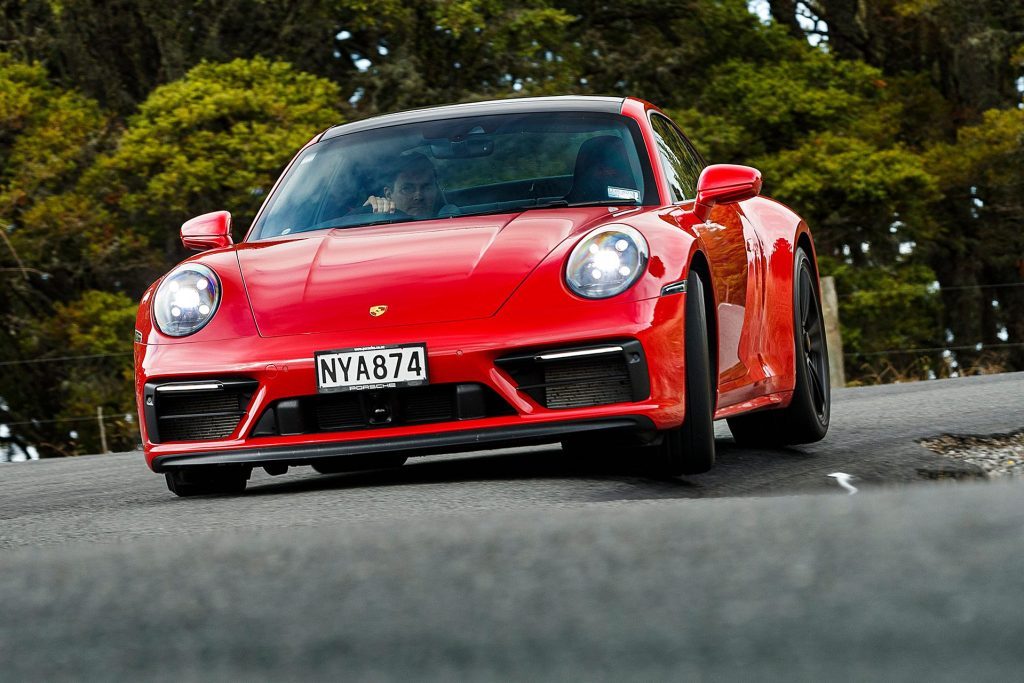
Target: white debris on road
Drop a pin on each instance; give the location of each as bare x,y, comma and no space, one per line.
999,456
843,479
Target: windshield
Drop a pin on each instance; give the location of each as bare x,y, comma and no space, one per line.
457,167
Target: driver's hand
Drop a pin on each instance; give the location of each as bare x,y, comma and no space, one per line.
380,204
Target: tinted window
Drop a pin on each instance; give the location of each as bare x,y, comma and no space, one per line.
680,161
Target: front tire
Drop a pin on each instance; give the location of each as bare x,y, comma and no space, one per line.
690,448
207,481
806,419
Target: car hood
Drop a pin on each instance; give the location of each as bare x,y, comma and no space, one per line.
430,271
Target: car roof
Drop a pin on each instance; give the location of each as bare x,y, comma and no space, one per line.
567,103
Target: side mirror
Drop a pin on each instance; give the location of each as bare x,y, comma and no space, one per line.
724,184
209,231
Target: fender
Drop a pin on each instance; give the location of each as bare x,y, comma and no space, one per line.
781,231
686,220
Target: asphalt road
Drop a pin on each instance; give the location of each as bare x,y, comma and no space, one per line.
525,564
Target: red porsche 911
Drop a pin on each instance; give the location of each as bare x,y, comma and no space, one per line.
564,269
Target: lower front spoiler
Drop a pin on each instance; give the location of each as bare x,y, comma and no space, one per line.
429,444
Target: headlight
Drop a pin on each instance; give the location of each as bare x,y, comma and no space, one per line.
186,300
607,262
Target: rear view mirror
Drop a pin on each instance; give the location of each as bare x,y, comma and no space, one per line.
209,231
725,184
462,147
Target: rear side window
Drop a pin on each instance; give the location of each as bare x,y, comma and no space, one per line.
680,161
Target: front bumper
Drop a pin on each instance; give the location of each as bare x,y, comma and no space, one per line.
457,352
428,444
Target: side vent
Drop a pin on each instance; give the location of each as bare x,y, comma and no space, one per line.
578,377
202,410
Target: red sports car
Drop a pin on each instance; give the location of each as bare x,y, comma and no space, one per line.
563,269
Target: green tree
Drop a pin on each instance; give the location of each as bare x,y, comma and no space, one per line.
958,67
426,52
118,51
216,139
57,241
97,329
982,173
84,202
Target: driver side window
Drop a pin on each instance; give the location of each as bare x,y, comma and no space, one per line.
679,160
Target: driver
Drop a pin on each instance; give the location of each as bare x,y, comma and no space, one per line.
413,189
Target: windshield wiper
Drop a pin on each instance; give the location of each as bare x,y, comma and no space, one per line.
341,224
353,221
559,203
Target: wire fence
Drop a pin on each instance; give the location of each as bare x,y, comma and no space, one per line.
128,419
940,289
935,349
62,359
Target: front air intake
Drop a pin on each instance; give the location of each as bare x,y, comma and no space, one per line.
586,382
196,410
579,377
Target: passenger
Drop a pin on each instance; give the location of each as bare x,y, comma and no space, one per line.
412,189
602,172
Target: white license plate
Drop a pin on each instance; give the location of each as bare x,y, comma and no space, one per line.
371,367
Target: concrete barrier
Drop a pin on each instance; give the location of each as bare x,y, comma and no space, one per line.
833,337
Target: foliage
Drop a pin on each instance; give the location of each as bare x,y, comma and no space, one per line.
96,324
118,51
58,244
983,171
214,140
425,52
886,307
854,192
84,203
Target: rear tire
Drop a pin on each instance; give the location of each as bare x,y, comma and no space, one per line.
207,481
806,418
690,448
358,463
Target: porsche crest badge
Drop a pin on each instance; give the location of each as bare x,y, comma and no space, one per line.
377,311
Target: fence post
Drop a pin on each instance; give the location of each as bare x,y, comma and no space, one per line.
833,337
103,431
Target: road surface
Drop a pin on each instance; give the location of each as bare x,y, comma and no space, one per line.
525,564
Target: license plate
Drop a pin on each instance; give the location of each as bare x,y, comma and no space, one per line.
371,367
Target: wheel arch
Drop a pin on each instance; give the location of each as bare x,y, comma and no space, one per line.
803,240
785,324
782,233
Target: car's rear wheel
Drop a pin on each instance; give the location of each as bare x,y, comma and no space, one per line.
806,418
207,481
690,448
359,463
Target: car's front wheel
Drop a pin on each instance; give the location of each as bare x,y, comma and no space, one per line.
690,448
208,480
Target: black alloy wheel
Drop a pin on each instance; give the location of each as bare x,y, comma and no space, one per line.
806,419
811,327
